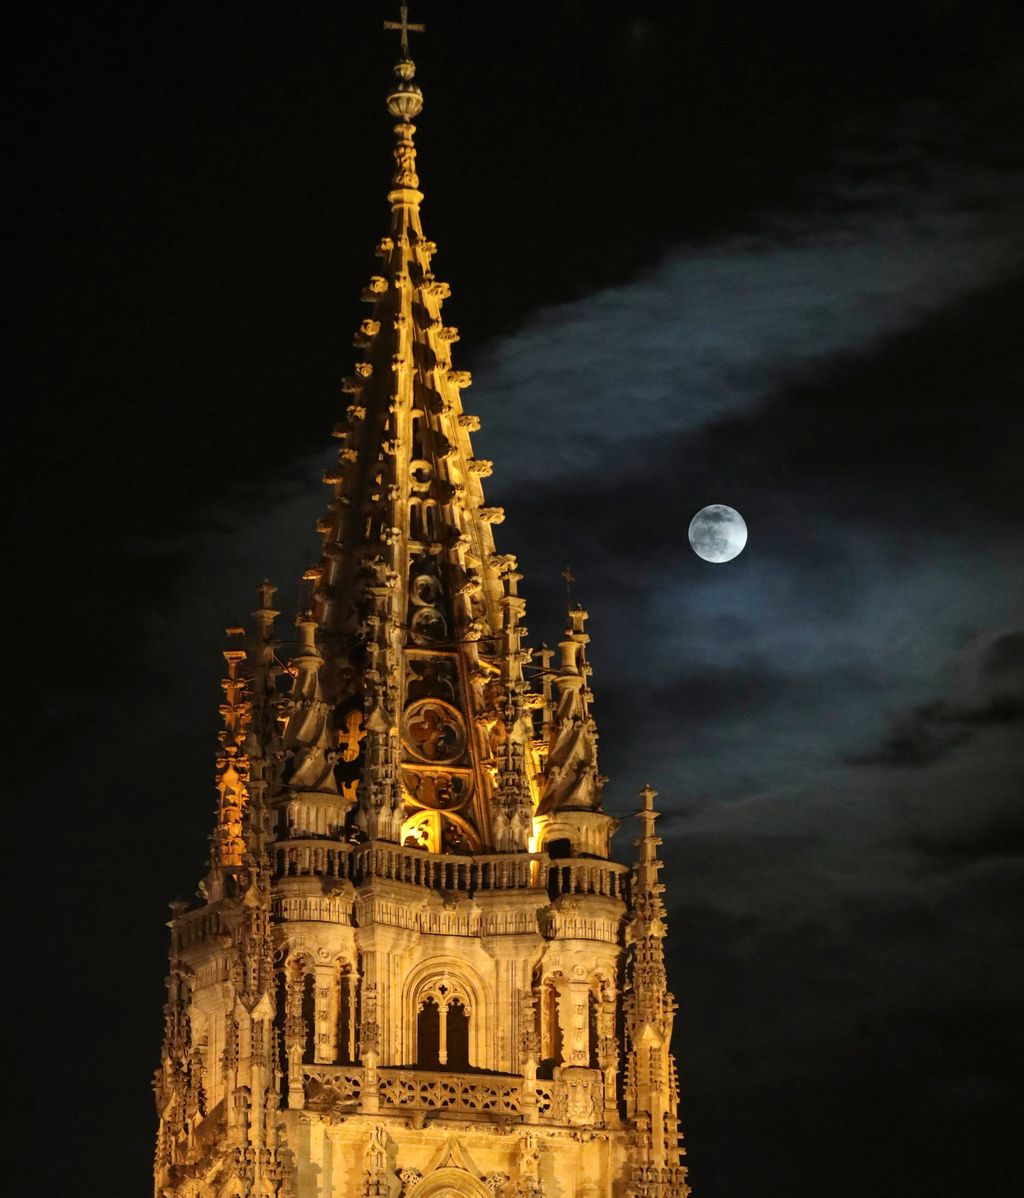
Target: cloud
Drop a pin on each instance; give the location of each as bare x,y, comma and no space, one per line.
989,691
716,328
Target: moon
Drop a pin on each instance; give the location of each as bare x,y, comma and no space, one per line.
718,533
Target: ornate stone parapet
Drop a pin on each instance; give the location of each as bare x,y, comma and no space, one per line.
486,1095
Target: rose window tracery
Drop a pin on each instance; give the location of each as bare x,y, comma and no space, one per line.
440,791
434,731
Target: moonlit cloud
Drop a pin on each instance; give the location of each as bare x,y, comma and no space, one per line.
715,328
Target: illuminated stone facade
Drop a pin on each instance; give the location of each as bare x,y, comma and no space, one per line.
416,970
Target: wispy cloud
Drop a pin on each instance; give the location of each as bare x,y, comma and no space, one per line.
716,328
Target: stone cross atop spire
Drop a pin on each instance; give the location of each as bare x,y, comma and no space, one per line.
403,25
648,866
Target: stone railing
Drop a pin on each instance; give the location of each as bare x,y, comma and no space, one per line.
574,1100
586,876
519,871
545,1092
195,927
330,1085
337,861
313,859
467,1093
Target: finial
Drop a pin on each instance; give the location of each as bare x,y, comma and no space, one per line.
647,796
405,100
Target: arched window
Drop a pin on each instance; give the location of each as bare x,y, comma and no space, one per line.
416,528
417,437
431,520
443,1013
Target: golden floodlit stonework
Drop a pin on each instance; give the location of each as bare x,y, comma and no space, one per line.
416,970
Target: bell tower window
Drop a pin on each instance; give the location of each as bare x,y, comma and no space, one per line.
442,1027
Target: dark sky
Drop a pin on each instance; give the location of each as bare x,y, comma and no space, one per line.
770,256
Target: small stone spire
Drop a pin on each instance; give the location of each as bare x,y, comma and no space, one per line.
513,822
307,739
651,1088
264,666
650,906
418,617
232,762
571,777
263,743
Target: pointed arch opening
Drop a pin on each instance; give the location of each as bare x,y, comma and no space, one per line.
449,1182
441,1029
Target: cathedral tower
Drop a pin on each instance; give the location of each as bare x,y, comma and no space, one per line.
416,970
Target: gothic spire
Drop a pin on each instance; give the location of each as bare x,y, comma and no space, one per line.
651,1083
571,777
232,764
416,617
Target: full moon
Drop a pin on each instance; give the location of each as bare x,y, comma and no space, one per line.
718,533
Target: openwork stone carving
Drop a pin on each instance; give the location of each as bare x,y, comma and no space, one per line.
434,731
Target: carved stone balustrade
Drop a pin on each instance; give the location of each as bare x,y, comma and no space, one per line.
196,927
486,1094
313,858
574,1100
327,859
329,1086
607,878
520,871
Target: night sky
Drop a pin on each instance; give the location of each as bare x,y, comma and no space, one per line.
764,255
